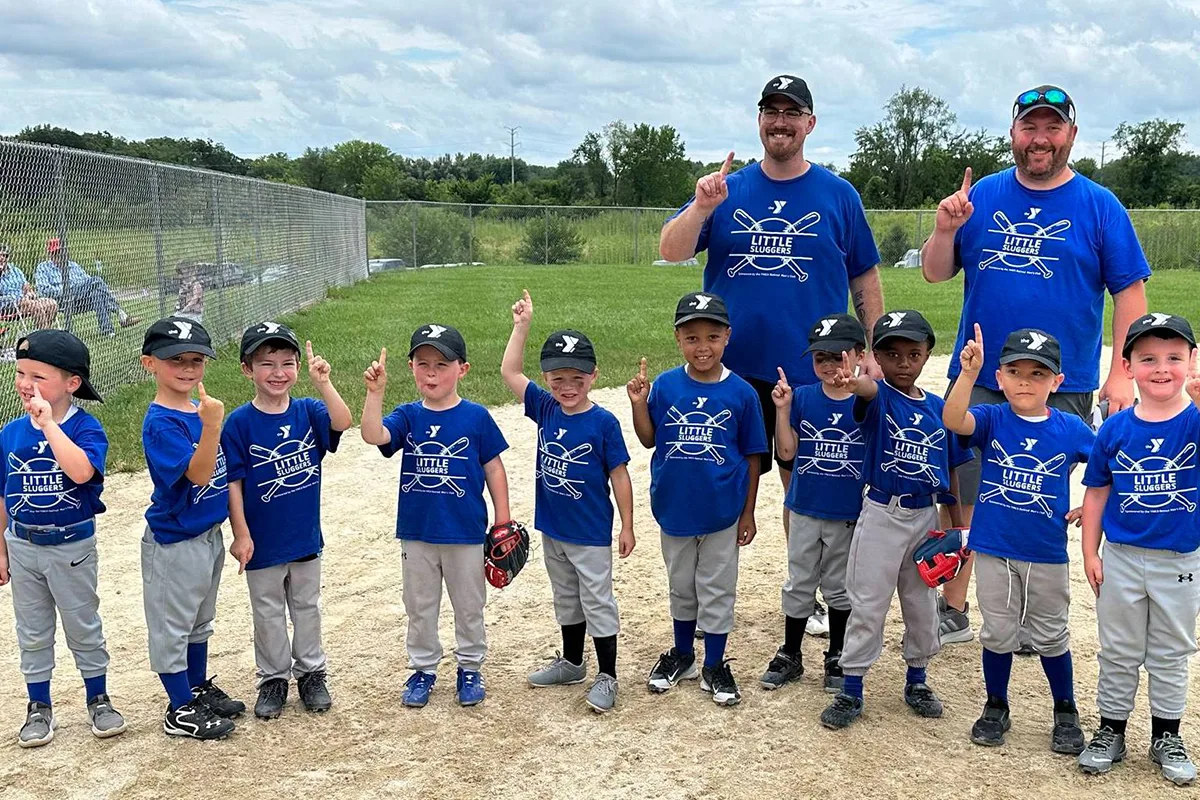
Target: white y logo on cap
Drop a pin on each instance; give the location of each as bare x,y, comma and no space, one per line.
827,326
270,327
434,332
569,342
1036,340
1159,319
183,330
1029,443
895,318
702,301
783,83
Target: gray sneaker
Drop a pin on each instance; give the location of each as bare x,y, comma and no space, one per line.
558,672
784,667
603,694
1105,749
106,720
954,626
39,726
1170,754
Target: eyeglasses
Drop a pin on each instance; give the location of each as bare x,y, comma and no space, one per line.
790,114
1051,96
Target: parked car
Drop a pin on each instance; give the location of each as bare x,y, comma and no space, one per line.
384,264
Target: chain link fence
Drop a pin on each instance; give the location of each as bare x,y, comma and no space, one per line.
414,234
103,245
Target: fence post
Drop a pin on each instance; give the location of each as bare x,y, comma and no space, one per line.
637,224
219,248
415,210
471,234
920,216
546,252
160,260
60,206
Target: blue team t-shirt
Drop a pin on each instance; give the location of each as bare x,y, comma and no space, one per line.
827,479
278,459
703,433
36,490
1025,486
575,454
1051,254
441,470
1151,467
179,509
781,254
908,450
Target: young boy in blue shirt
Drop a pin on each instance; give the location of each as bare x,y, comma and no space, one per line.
705,425
581,450
52,460
274,446
183,549
1142,498
908,464
1019,530
450,448
815,426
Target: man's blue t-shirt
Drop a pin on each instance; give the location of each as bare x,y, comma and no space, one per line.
781,254
575,454
1025,486
179,509
441,470
703,433
1050,255
36,490
278,459
1151,467
827,479
909,451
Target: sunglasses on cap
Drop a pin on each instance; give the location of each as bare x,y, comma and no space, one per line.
1049,96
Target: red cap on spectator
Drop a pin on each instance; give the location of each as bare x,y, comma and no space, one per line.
53,246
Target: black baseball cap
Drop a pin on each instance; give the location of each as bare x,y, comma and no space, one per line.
902,324
174,335
262,333
791,87
1167,323
1033,345
837,333
568,350
448,341
1044,96
65,351
701,305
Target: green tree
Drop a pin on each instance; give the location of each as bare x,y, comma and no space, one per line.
591,155
350,161
1150,161
1087,167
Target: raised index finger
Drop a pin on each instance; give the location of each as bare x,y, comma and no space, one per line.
200,390
308,349
782,376
642,368
37,392
978,336
728,163
383,357
966,184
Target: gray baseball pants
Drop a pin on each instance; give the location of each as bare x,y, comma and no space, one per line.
292,589
582,585
460,567
1012,595
179,593
702,574
818,552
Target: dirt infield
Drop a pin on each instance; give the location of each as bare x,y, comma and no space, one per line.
538,743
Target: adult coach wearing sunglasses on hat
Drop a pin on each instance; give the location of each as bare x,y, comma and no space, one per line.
1039,246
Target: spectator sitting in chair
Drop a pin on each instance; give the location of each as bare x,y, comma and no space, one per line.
17,297
84,292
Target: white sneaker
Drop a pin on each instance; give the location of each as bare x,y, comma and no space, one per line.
818,623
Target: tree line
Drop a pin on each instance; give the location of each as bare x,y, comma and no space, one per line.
910,158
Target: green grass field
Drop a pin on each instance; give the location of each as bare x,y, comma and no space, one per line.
626,310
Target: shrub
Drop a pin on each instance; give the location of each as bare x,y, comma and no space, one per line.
893,245
550,240
443,236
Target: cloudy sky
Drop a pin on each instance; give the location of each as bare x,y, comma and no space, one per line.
448,75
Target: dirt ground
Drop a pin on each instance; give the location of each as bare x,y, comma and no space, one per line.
538,743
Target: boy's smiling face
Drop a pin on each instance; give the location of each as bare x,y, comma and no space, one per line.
273,370
1159,367
702,342
570,387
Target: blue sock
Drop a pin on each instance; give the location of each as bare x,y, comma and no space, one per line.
1061,675
714,648
197,663
852,685
177,686
39,692
997,667
915,675
96,685
685,630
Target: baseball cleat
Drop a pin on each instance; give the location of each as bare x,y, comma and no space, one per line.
784,668
106,720
719,680
215,698
417,689
603,694
1170,754
921,699
842,711
272,696
991,726
314,694
671,668
835,680
1067,736
197,721
39,726
470,687
818,623
558,672
1105,749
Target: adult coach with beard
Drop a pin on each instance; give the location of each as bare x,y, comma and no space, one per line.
1040,245
787,242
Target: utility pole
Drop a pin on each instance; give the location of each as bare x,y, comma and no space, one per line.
1102,146
512,153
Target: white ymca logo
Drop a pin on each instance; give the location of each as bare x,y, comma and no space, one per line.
1159,319
777,206
702,301
1029,443
1036,340
41,446
183,330
434,332
1152,484
835,418
826,326
783,83
1023,478
916,420
1032,212
285,431
895,318
433,431
568,343
561,433
1154,445
700,401
269,327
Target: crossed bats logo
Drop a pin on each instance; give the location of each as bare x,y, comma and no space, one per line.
554,465
304,471
1159,489
1023,253
706,425
904,464
1033,467
782,235
828,465
443,456
38,500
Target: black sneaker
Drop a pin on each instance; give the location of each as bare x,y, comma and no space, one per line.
271,697
991,726
784,668
921,699
197,721
842,711
1067,736
719,680
835,680
215,698
671,668
314,694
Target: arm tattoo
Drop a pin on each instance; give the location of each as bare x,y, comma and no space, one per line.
860,306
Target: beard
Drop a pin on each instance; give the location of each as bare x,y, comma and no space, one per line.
1058,162
784,149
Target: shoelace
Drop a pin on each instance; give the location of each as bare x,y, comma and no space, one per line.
212,690
668,662
275,690
843,702
421,679
1103,740
780,663
470,679
922,693
724,676
605,683
1172,748
314,680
